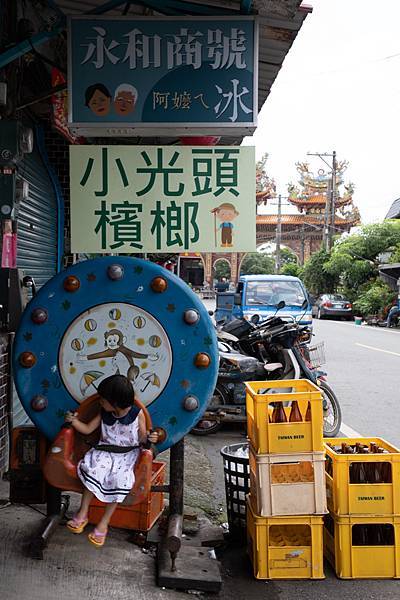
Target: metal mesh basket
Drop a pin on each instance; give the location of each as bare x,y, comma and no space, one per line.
316,355
237,486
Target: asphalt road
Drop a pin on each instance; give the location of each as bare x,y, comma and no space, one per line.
363,366
363,369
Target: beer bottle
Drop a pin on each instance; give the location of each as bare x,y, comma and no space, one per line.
308,412
362,476
355,467
345,448
279,415
295,414
385,469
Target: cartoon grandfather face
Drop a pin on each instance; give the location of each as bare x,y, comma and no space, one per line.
125,97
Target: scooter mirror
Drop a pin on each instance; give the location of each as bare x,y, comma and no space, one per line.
281,305
211,312
255,319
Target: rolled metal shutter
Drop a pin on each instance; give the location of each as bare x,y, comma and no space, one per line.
37,222
37,246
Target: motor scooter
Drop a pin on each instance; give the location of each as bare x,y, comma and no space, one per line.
279,349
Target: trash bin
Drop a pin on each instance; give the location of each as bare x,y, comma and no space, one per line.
358,320
237,486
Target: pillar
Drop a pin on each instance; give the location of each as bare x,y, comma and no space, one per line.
234,266
208,268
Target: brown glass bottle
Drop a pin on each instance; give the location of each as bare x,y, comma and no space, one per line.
308,412
279,415
369,469
384,469
355,468
295,414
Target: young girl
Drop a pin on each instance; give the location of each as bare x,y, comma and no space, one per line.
106,474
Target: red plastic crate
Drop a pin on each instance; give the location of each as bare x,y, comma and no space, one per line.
140,517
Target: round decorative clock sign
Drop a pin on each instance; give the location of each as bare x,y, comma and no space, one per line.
116,315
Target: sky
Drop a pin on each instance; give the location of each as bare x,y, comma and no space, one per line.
339,89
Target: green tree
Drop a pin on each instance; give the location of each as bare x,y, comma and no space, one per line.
315,275
395,257
256,263
288,256
222,269
354,259
291,269
373,299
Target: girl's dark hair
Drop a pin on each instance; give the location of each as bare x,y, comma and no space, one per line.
92,89
117,390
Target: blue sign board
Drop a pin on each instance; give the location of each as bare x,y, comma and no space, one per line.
186,74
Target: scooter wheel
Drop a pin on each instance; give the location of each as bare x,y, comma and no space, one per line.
205,427
332,411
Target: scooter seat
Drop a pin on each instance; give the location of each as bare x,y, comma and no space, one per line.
270,367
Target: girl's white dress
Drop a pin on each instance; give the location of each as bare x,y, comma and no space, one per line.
110,475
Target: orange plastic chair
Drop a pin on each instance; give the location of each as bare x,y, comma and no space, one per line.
60,466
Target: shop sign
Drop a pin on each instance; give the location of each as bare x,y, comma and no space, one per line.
128,199
196,75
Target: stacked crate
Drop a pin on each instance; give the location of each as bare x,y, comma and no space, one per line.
362,530
287,497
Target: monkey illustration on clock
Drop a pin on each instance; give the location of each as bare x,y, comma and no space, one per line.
114,341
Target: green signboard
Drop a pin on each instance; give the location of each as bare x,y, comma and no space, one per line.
128,199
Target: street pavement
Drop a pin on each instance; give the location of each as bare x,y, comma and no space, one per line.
363,366
363,369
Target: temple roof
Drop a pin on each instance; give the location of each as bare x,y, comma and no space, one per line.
302,219
318,199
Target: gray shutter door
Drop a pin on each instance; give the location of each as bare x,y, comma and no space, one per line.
37,222
37,236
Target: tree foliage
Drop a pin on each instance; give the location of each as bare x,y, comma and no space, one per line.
354,259
222,269
373,299
292,269
315,275
287,256
256,263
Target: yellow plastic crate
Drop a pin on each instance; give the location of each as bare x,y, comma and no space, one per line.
345,498
284,438
285,547
354,555
288,484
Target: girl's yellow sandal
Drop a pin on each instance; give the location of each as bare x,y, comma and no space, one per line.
97,538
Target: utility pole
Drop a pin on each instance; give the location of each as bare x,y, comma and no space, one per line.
327,217
278,236
330,205
302,243
333,201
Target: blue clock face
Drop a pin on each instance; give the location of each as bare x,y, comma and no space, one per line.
116,315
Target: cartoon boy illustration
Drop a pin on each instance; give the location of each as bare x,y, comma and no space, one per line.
125,97
226,213
98,99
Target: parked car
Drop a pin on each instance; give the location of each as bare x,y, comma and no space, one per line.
332,305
